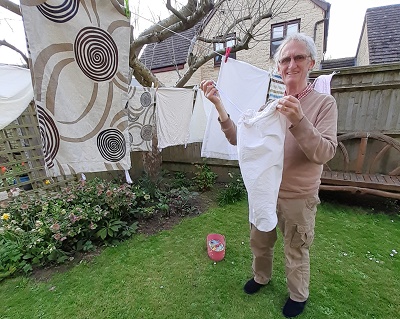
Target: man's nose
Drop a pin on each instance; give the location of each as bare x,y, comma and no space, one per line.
292,62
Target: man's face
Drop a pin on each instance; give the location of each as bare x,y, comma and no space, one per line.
294,64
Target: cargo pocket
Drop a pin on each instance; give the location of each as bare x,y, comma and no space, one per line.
312,203
302,237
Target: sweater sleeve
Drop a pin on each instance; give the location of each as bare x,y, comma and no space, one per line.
318,141
230,130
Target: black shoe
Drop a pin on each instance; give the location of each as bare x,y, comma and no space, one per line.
293,308
251,287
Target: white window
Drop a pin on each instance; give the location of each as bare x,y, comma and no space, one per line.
230,41
279,31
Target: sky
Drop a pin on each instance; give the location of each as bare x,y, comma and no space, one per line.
346,20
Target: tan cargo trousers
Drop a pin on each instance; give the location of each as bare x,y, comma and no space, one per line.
296,220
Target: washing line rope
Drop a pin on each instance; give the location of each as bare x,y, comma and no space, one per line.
176,33
190,40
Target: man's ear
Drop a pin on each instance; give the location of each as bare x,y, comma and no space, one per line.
311,65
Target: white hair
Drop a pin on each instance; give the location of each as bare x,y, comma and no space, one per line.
301,37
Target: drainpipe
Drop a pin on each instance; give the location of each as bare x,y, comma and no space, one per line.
315,28
315,37
326,26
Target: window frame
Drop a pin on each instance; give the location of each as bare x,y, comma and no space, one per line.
285,27
226,39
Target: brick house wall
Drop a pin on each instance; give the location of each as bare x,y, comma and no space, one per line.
308,13
170,78
306,10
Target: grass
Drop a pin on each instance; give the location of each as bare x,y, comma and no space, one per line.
168,275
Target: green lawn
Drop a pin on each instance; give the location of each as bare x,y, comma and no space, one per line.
168,275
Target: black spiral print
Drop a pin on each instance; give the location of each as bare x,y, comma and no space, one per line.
112,145
145,99
146,132
96,54
49,135
59,13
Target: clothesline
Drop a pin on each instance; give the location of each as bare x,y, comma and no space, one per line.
178,34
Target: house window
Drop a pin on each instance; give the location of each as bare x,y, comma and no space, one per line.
230,41
279,31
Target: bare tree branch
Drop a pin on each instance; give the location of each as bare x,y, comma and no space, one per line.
243,45
143,75
168,27
176,12
246,19
166,23
193,12
245,24
11,6
9,45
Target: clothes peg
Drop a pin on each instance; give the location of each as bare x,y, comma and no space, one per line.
227,52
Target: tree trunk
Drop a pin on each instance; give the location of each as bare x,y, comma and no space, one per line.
152,161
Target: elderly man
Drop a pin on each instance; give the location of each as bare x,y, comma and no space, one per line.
310,141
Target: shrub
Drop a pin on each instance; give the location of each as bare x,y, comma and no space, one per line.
204,178
233,192
49,227
180,180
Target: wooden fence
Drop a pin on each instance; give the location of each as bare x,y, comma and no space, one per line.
368,100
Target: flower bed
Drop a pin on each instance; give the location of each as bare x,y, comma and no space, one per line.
49,228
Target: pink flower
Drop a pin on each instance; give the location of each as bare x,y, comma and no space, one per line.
55,227
57,236
24,206
73,218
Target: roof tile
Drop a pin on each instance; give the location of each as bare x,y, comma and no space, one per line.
383,29
170,52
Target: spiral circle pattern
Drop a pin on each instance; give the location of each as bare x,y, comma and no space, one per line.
49,135
96,54
146,132
145,99
112,145
59,13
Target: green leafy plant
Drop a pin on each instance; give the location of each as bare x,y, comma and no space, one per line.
204,178
11,258
50,227
180,202
180,180
45,228
233,191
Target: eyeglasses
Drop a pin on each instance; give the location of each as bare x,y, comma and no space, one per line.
297,59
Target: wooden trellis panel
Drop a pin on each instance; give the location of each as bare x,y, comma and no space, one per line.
21,156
